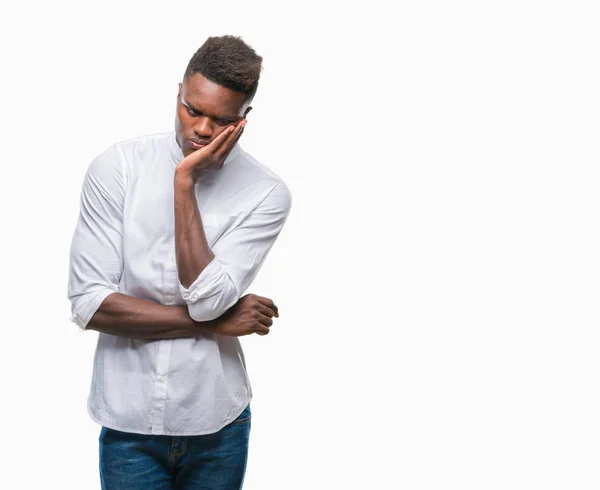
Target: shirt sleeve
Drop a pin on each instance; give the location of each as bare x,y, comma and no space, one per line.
95,257
238,258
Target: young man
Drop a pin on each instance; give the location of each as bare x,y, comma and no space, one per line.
173,228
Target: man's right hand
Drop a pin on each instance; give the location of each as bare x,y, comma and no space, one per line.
251,314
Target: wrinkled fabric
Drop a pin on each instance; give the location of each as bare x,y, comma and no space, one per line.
124,242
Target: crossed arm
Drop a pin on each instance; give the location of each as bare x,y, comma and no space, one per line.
131,317
96,266
211,280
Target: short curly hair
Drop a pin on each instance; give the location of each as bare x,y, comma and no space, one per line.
227,61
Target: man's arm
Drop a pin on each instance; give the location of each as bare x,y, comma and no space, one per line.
96,265
191,247
238,256
192,250
128,316
135,318
212,280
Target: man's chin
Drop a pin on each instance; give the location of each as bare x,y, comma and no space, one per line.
187,150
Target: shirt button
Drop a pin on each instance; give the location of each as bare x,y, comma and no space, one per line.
161,379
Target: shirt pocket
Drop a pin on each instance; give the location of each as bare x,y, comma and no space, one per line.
216,225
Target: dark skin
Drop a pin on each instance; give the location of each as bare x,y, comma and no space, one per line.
214,115
135,318
203,112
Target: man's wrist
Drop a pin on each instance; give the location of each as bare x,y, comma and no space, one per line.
183,179
207,327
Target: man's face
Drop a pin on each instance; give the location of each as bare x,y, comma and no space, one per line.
204,110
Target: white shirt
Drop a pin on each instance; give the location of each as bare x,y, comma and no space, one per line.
124,242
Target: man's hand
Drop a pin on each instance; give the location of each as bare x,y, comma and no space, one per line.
251,314
213,155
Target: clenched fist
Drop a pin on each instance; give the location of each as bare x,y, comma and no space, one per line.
251,314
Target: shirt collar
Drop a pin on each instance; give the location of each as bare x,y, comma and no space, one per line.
177,154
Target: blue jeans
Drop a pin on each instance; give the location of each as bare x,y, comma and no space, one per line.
150,462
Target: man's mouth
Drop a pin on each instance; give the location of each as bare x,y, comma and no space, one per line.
196,145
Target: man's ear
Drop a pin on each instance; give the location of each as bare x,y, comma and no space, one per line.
247,111
179,90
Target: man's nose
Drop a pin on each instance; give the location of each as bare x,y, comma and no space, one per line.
203,127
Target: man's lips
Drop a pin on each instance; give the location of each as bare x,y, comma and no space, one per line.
196,144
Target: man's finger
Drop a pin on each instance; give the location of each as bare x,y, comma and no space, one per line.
260,329
197,156
231,140
269,303
265,301
265,320
265,310
219,142
224,156
236,138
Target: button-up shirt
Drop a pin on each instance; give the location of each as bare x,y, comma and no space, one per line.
124,242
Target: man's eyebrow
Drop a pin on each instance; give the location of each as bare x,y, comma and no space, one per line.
224,118
187,104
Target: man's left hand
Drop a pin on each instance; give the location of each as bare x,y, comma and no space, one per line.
213,155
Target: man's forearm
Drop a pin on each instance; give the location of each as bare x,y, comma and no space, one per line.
136,318
191,247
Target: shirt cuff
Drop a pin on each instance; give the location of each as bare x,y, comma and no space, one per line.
87,306
209,282
77,321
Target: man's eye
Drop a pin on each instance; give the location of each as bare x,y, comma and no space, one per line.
192,112
221,123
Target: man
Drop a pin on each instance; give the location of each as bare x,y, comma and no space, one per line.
173,228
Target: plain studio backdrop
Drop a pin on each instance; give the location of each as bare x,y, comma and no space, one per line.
438,276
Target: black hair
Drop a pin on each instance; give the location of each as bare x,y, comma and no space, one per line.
227,61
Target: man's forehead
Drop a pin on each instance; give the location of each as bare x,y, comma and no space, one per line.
213,101
203,92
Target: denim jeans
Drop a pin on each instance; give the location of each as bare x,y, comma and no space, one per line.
152,462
